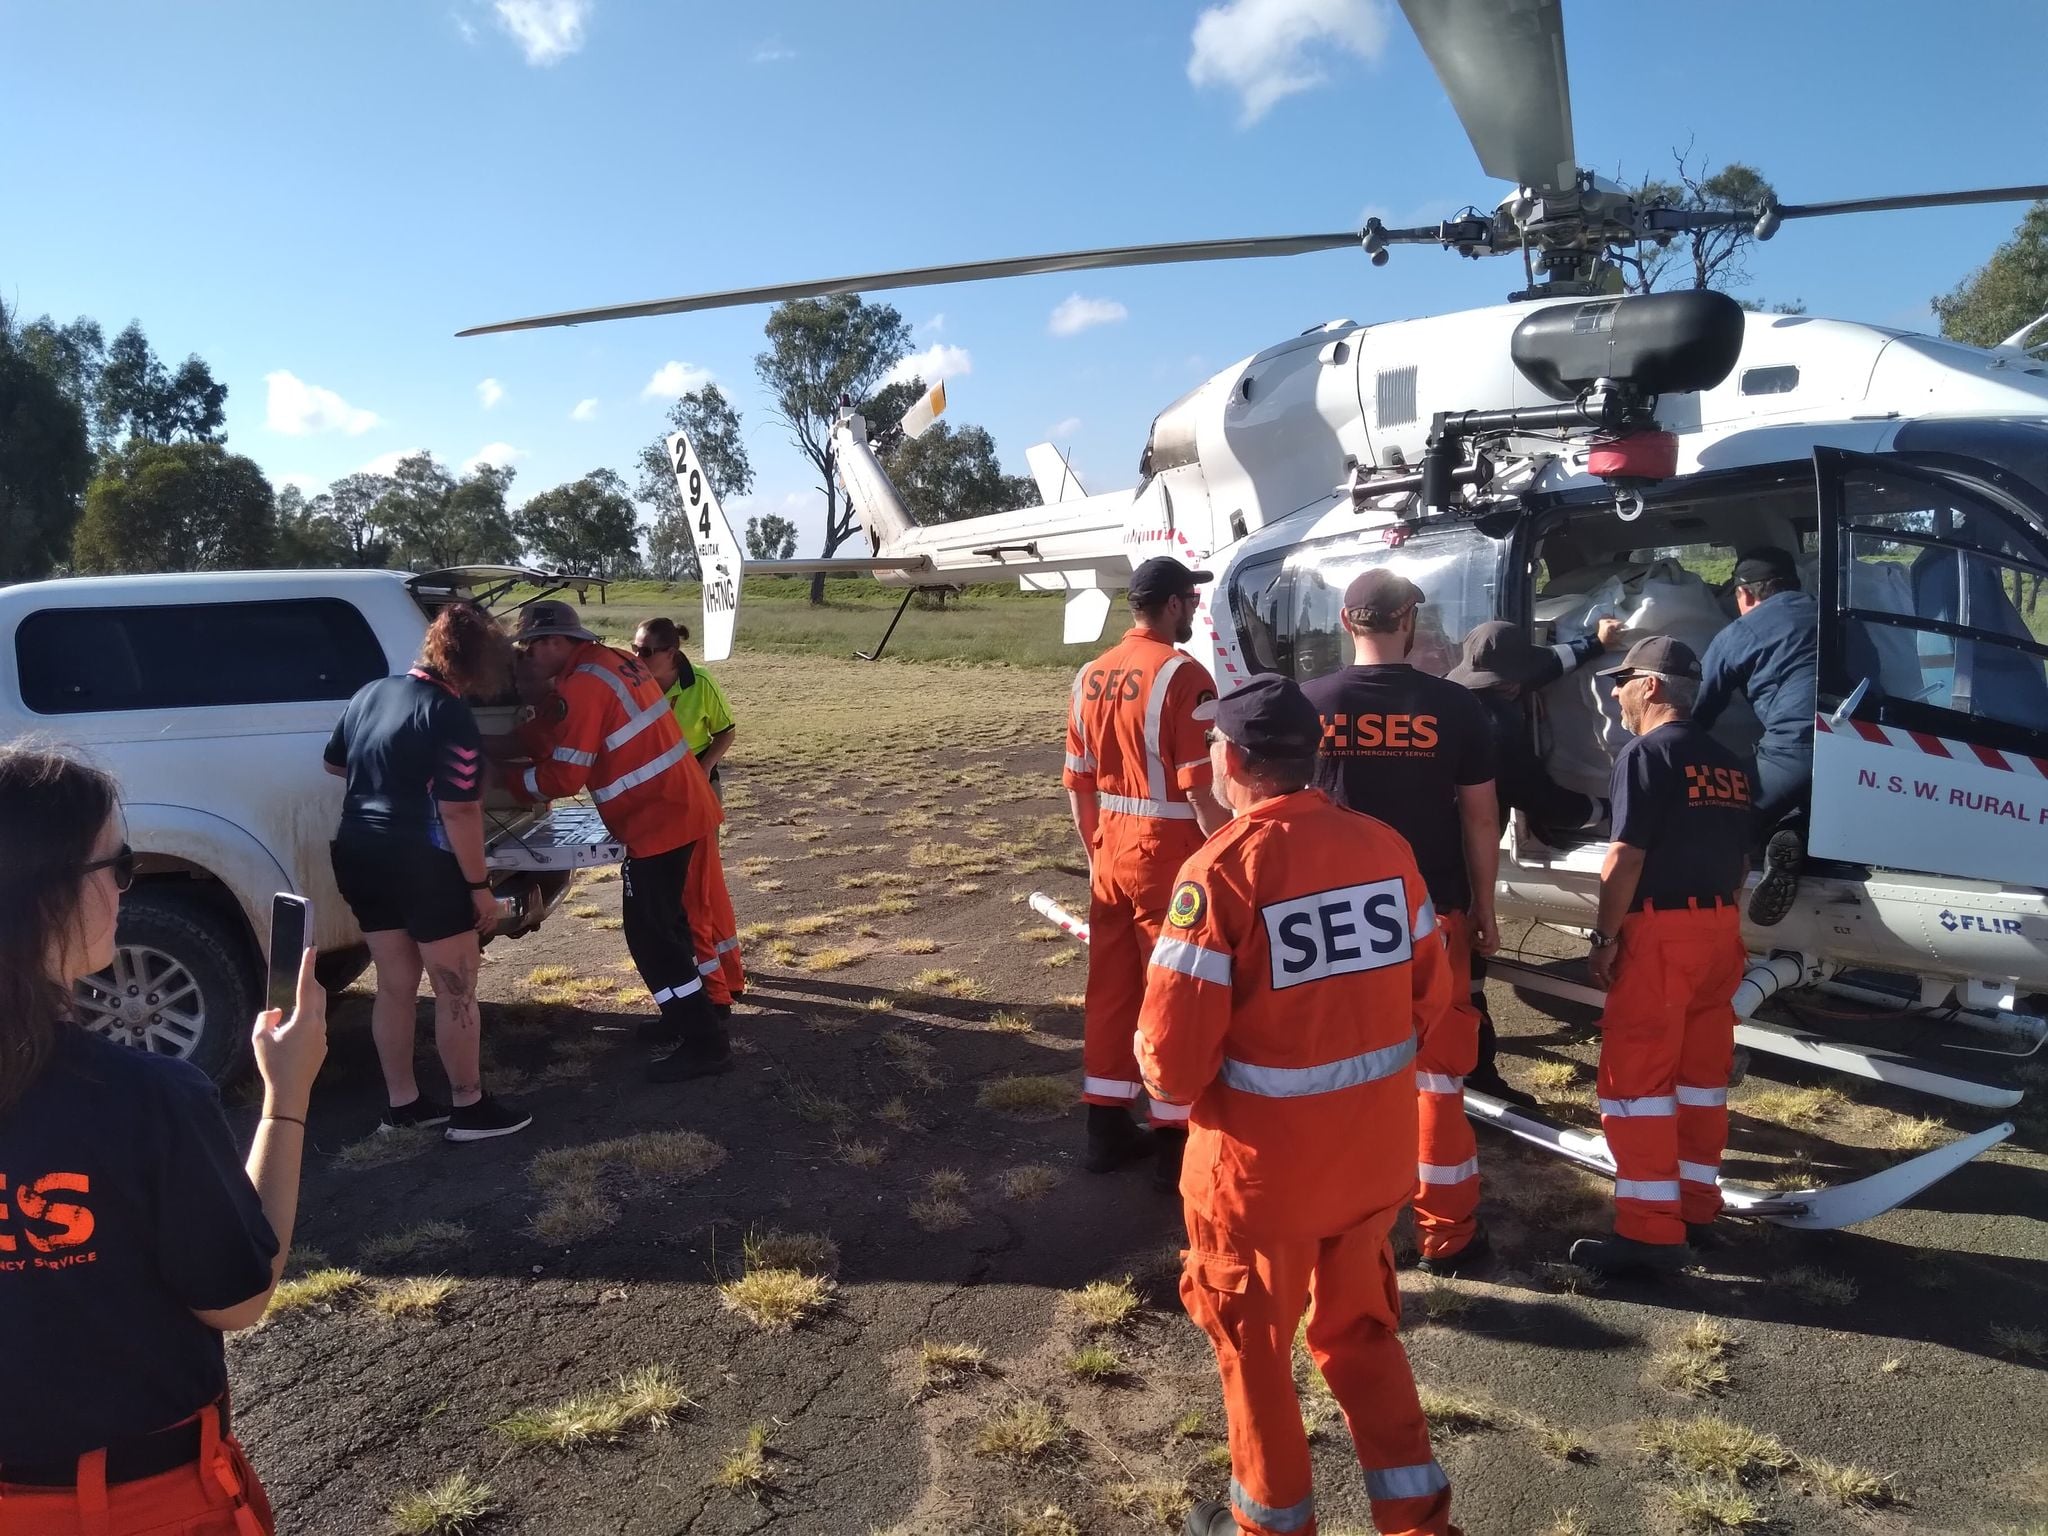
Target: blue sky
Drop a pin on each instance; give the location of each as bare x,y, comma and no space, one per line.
315,196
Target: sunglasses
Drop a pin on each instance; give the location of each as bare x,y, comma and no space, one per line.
648,652
122,864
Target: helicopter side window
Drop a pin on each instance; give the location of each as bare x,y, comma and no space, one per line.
1940,602
1289,610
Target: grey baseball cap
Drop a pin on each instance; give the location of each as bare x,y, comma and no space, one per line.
548,617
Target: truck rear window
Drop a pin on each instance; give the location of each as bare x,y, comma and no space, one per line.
81,661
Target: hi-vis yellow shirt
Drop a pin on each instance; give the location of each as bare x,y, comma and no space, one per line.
700,709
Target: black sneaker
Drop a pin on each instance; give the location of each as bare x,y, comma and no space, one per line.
421,1111
1703,1234
1114,1139
1778,891
1494,1086
684,1063
1470,1259
483,1120
1624,1255
1208,1518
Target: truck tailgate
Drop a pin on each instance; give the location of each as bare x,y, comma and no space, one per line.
568,837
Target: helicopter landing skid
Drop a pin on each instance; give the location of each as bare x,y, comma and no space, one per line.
1800,1045
1819,1210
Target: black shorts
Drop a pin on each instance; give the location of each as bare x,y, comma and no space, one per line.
391,885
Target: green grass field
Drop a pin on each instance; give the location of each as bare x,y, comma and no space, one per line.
985,624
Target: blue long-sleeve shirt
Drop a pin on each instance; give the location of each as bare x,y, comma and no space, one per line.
1771,656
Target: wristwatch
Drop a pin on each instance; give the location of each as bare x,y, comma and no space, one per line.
1598,940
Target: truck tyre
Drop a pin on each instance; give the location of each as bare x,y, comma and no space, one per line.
179,985
338,967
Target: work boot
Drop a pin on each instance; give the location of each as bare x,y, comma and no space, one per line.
658,1030
1114,1139
1474,1256
1208,1518
1168,1147
1618,1255
1776,893
687,1061
1703,1234
1487,1080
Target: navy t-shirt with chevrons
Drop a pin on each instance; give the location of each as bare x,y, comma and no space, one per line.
1398,743
407,743
1684,799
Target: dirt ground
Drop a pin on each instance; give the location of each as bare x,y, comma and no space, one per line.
886,828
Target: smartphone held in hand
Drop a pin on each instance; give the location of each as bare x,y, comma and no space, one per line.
291,927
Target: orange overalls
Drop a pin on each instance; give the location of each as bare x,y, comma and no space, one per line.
1134,743
1299,964
216,1495
714,926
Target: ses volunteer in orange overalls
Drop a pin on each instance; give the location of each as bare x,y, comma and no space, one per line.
1137,777
608,729
1668,949
1301,960
1416,751
132,1235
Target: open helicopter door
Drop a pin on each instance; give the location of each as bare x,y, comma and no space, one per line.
1930,747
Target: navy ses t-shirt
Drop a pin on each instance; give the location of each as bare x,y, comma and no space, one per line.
1684,799
1397,744
123,1209
407,743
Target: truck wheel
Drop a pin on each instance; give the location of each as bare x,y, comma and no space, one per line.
338,967
178,985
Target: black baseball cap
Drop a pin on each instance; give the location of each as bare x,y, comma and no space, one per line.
1662,654
1380,596
1498,652
1269,716
1162,577
1757,566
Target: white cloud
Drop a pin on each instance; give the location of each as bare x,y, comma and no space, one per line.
489,393
1066,428
1267,50
937,361
386,463
299,409
547,31
585,410
1076,314
936,324
463,28
501,454
673,378
772,52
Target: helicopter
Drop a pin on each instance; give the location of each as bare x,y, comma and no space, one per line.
1575,453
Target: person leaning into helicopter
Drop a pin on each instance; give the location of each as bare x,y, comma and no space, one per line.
1771,656
1501,664
1667,949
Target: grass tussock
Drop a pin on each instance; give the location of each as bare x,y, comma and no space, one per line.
1559,1442
948,983
569,1179
548,976
811,1252
1444,1302
814,1107
1160,1503
745,1471
1567,1522
879,1003
1852,1487
1060,958
321,1288
939,1213
834,957
897,1115
380,1148
644,1399
1695,1362
1799,1108
415,1296
916,946
1457,1413
1021,1432
1028,1181
1920,1133
1049,1521
1096,1363
2019,1341
1010,1022
1708,1445
1105,1304
455,1506
777,1300
1038,935
942,1367
1027,1097
1819,1287
412,1242
856,1153
1550,1078
1702,1508
914,1058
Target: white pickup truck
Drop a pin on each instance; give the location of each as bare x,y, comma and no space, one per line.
210,696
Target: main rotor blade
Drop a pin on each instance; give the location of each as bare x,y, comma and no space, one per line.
1502,64
962,272
1923,200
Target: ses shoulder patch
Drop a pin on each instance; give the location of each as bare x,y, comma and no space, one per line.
1189,902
